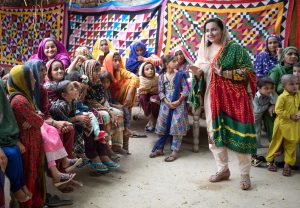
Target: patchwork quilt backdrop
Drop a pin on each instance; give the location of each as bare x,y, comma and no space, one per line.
249,22
161,25
23,28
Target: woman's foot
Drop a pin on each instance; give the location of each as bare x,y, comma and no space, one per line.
172,157
71,164
245,182
156,153
21,196
63,178
27,192
286,170
220,176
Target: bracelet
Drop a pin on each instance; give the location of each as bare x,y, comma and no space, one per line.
227,74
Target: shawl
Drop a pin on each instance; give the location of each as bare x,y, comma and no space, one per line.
132,63
61,55
146,84
280,69
264,61
35,66
186,54
97,52
9,129
19,83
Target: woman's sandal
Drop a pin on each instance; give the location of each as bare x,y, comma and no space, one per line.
245,182
73,163
170,158
99,167
272,167
287,171
156,154
64,178
111,165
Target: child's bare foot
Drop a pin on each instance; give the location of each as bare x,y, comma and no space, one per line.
27,192
21,196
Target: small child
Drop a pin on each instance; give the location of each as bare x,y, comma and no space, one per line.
263,108
287,125
139,54
106,80
173,116
80,84
148,94
296,72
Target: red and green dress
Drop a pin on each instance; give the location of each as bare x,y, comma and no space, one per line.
228,102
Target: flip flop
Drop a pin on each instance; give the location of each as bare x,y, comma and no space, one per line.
111,165
135,135
170,158
73,164
64,178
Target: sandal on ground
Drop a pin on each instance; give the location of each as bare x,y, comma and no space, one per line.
111,165
220,176
286,171
171,158
114,157
136,135
272,167
245,182
55,201
73,163
156,154
64,178
99,167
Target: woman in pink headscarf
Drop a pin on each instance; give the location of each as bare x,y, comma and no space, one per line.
51,48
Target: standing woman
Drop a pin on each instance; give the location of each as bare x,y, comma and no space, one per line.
20,88
267,59
226,69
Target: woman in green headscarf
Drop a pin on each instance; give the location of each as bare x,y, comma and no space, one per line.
20,88
289,56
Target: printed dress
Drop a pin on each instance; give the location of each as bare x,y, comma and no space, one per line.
179,123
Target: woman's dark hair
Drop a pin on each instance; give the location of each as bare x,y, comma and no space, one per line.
116,54
218,22
264,81
74,76
165,60
296,64
105,75
143,73
61,88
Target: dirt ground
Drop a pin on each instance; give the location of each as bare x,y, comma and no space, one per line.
142,182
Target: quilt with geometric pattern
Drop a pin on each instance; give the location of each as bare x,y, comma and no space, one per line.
248,22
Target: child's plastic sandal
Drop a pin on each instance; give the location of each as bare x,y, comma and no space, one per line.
111,165
99,167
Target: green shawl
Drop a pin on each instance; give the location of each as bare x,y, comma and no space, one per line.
9,129
280,69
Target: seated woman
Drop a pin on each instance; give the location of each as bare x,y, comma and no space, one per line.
266,60
51,48
138,55
101,48
20,87
11,146
289,56
148,94
53,145
65,109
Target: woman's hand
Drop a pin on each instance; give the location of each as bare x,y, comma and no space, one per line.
21,147
63,126
176,103
84,119
140,58
194,70
3,160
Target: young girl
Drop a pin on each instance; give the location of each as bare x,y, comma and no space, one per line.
20,88
173,116
82,54
138,55
55,74
286,132
65,109
53,137
49,49
148,94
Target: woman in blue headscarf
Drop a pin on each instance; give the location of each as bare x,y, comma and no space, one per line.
138,55
267,59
